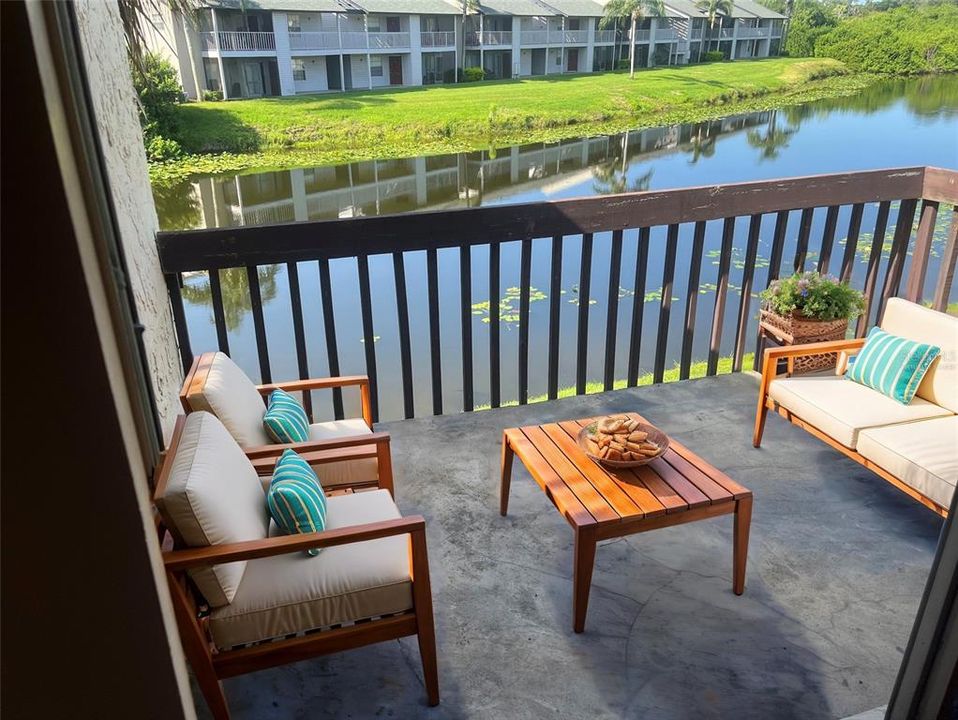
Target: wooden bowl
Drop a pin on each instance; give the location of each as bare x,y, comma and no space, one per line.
654,435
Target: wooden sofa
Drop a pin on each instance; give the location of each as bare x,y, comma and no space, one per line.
914,447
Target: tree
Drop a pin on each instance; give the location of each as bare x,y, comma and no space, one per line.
468,7
713,9
635,10
772,140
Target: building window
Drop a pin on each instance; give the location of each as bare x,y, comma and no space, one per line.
212,71
299,69
293,23
376,66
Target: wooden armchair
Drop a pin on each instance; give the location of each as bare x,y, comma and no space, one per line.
369,584
353,456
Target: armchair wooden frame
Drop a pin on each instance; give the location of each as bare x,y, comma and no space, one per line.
211,665
356,447
844,348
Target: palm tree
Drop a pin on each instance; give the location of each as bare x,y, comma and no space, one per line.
635,10
701,145
137,19
713,9
468,7
772,140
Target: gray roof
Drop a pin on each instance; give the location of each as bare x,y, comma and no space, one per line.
576,8
332,6
410,7
758,10
740,9
524,8
686,7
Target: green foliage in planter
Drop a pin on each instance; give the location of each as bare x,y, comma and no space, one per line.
473,74
814,296
713,56
212,95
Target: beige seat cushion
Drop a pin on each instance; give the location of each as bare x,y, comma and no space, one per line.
923,455
230,395
291,593
213,496
915,322
347,472
841,408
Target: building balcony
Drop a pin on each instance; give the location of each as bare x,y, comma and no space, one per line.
314,41
666,35
534,37
642,36
443,39
489,38
388,40
568,37
241,41
751,32
605,36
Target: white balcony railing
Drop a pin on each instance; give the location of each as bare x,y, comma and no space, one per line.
534,37
605,36
386,40
665,34
573,37
314,41
497,37
233,41
642,35
696,34
438,39
752,32
353,40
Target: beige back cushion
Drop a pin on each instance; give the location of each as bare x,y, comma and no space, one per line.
230,395
916,322
213,496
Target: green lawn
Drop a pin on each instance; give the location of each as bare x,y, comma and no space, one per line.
453,118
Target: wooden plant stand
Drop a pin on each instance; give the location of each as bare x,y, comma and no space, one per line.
600,503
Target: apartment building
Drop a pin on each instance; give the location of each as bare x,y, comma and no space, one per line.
258,48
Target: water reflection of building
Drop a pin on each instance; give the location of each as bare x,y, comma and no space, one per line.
378,187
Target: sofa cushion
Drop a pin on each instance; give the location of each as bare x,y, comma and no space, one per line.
940,384
840,408
212,496
891,364
296,500
230,395
923,455
347,472
285,419
292,593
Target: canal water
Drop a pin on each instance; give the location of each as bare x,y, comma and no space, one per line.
893,123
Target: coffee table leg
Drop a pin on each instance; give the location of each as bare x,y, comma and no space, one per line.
743,520
582,576
507,455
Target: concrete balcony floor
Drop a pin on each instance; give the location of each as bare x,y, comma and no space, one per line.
837,563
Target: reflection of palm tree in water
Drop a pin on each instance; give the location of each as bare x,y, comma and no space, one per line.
701,144
235,291
611,177
772,140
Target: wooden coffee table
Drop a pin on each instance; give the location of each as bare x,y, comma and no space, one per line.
600,503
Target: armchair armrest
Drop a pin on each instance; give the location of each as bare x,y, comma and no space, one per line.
180,560
323,383
274,451
819,348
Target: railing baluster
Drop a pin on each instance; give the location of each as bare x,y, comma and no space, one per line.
329,327
801,245
259,324
828,238
555,291
219,314
465,320
494,290
774,269
582,344
525,272
691,301
405,348
851,242
299,333
946,272
721,295
179,319
745,297
922,251
432,281
612,314
369,334
871,273
638,305
665,308
899,249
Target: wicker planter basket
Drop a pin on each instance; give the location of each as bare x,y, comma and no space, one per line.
799,330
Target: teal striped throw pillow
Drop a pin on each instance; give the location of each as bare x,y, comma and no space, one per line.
295,498
285,419
892,365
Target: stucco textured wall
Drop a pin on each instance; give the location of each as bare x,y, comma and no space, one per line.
114,102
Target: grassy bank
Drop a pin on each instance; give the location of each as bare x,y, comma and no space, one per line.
696,370
330,129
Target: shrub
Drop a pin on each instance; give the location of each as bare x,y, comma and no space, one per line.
212,95
624,64
713,56
159,91
473,74
161,149
814,296
903,41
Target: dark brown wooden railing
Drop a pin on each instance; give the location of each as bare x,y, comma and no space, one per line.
919,190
